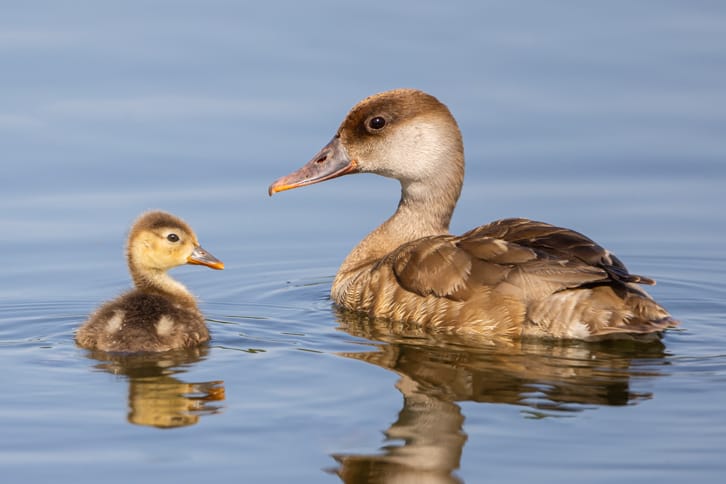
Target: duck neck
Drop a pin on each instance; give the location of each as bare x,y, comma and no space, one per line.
159,281
425,209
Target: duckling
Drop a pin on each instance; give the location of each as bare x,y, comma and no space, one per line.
160,314
511,278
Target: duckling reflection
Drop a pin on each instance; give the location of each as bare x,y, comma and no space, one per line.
547,379
157,397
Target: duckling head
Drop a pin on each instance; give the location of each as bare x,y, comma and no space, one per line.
159,241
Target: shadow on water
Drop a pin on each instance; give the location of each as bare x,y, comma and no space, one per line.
547,379
157,397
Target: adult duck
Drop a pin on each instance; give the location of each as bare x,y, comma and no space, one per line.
160,313
509,278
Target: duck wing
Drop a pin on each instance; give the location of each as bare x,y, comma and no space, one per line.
532,258
558,242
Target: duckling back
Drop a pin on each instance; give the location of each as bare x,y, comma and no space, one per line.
143,321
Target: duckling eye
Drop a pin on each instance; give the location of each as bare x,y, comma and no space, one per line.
172,238
377,123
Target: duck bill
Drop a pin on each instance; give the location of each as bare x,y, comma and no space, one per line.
203,258
330,162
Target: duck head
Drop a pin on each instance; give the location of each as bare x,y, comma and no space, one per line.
404,134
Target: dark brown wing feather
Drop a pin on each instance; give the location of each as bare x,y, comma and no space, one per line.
559,243
538,257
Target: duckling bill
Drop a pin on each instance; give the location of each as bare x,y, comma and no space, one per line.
160,313
510,278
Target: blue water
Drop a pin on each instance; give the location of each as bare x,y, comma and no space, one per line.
607,118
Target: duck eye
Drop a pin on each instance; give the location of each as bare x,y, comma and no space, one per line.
172,238
376,123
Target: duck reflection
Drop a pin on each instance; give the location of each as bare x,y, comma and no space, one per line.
547,379
157,397
432,440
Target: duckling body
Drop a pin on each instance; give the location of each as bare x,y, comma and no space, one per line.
160,314
510,278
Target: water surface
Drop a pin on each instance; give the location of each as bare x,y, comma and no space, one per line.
604,119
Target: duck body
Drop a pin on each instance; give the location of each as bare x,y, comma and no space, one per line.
160,314
142,321
510,278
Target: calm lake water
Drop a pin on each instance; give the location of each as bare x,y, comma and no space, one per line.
605,117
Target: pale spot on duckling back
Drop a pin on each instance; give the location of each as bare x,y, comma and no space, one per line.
165,326
115,322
